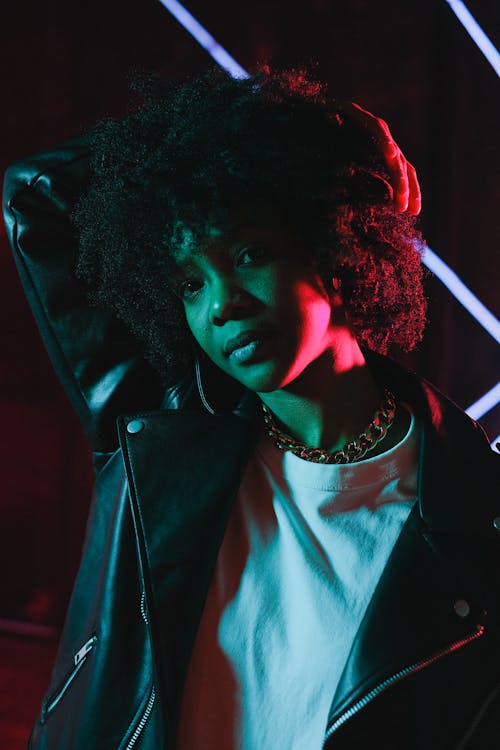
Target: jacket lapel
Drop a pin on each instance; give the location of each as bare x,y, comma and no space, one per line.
180,513
410,619
440,557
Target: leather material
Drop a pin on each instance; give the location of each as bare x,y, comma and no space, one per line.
105,603
412,635
180,517
93,354
425,676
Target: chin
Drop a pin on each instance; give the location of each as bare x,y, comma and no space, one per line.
260,378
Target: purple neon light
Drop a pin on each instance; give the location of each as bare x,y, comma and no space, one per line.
476,33
461,292
206,40
485,404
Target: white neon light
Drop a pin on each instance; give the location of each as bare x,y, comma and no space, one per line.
476,33
495,444
485,404
206,40
461,292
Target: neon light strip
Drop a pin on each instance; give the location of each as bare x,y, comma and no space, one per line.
485,403
476,33
206,40
495,444
462,293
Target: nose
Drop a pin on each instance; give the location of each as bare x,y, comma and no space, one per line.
228,302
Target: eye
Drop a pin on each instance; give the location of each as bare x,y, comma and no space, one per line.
252,254
189,288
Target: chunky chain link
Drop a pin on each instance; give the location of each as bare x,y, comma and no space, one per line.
352,450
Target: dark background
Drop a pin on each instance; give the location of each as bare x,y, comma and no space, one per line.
66,64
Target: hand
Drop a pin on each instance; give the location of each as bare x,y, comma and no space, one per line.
406,190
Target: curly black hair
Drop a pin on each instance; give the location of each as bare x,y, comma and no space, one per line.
195,148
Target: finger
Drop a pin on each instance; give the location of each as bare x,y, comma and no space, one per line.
397,167
415,196
376,127
406,190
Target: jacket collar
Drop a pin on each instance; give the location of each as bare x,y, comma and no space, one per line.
453,447
452,444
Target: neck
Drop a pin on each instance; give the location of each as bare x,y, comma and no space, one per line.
332,401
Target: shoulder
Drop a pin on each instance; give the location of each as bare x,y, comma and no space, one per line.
459,471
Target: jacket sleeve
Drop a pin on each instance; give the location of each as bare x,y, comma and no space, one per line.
98,362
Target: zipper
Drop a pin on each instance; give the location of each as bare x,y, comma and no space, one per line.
406,672
144,720
79,660
143,607
82,654
149,707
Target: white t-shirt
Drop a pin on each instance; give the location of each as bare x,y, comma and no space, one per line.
303,551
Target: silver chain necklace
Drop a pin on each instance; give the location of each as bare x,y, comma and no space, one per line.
352,450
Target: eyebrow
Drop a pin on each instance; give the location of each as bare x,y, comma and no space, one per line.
182,262
229,236
179,268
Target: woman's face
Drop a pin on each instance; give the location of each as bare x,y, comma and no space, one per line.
254,305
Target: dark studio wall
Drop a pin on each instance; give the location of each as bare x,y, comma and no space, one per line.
66,64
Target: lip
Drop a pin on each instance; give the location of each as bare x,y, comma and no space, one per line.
242,339
251,353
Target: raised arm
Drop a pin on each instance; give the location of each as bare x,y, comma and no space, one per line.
96,359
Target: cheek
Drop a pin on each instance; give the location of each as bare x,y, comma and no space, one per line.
306,317
195,326
313,312
200,330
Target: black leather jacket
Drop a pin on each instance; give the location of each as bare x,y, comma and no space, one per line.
424,669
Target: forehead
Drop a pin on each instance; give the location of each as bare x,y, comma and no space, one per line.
242,223
188,242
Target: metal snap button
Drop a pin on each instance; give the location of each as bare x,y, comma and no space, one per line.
136,425
461,608
496,523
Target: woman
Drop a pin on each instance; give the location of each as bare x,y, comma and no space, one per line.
294,540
